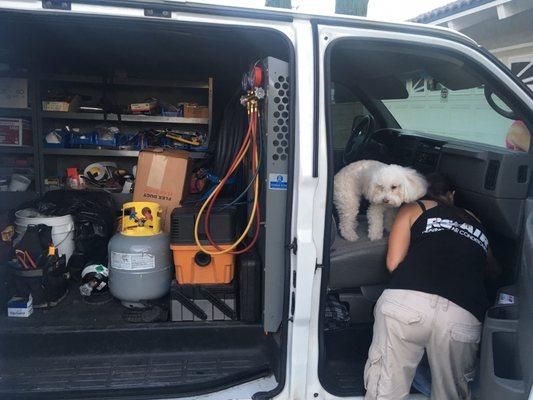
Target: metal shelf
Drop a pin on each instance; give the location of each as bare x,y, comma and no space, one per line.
104,153
16,149
124,118
90,152
15,112
126,81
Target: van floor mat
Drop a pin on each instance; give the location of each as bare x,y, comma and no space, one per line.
346,352
114,375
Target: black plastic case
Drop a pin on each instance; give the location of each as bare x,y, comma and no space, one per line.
249,273
222,225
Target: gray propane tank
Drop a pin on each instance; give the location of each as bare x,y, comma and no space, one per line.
139,256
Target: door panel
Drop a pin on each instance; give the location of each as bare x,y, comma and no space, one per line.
507,347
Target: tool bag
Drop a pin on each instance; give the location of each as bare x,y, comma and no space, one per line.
94,215
37,270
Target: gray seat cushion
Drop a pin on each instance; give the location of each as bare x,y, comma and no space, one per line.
359,263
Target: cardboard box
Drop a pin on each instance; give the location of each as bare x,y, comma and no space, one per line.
143,108
191,110
62,106
13,93
162,177
15,132
19,307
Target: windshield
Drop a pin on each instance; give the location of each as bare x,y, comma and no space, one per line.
462,114
430,91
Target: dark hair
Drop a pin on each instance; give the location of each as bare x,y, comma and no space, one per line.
439,185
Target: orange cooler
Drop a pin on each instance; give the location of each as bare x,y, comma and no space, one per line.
196,267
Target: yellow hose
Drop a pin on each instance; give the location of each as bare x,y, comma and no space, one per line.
252,215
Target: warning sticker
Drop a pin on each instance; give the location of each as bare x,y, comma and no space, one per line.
277,181
132,261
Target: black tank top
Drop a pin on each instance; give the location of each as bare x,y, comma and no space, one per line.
447,256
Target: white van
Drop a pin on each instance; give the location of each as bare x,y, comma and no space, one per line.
338,89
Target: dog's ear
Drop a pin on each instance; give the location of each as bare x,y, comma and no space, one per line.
414,187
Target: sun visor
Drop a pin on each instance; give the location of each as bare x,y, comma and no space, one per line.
384,88
454,77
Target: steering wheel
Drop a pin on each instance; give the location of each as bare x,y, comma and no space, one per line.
360,135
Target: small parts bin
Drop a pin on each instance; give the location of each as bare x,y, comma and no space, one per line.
194,266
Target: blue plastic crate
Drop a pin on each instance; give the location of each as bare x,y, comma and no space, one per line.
83,139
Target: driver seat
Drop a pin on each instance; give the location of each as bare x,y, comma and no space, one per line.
359,263
358,270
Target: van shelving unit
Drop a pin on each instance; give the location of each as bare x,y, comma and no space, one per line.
124,118
105,152
9,200
38,118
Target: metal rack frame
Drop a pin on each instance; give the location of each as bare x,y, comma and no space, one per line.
9,200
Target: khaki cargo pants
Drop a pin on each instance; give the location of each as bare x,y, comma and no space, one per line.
406,323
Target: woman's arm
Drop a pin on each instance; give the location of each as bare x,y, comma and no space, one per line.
400,237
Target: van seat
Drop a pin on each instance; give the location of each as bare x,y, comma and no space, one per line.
359,263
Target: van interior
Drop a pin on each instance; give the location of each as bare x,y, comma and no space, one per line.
79,349
428,109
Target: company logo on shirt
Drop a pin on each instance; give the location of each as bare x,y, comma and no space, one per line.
463,229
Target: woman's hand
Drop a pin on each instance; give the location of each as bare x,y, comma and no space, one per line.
400,235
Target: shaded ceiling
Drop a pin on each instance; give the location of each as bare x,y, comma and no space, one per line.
99,45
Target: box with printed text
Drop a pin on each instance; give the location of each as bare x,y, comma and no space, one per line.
162,177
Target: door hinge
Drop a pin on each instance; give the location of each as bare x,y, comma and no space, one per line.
154,12
57,4
293,246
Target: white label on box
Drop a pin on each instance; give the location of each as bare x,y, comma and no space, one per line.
157,171
13,93
132,261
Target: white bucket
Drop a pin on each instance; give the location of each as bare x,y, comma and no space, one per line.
19,183
62,229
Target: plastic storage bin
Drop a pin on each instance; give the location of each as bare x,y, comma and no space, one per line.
192,265
196,267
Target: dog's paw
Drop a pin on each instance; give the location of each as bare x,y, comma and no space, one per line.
349,234
372,235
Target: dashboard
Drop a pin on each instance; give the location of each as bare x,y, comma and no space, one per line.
409,148
491,181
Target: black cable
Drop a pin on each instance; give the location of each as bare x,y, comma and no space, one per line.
231,134
252,179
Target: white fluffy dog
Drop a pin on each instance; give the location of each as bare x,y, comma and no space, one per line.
385,186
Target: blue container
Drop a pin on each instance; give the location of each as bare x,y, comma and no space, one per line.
83,139
112,142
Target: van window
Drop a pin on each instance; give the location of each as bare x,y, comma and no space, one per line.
345,106
463,114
